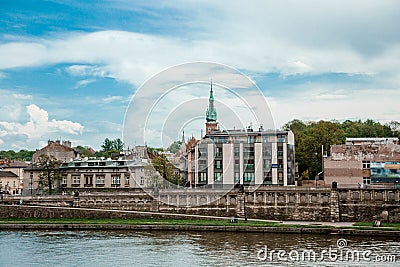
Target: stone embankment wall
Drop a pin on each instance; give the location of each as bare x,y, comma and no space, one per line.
281,203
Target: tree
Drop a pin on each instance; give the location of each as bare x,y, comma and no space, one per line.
116,144
107,145
174,147
166,169
50,172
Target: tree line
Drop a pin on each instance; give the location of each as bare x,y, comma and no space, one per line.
310,136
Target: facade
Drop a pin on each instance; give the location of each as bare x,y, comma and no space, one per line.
61,151
363,161
98,175
10,183
16,167
246,157
91,175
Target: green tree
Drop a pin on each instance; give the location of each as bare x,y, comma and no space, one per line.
118,144
50,172
174,147
166,169
107,144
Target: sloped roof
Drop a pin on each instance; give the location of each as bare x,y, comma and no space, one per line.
8,174
13,164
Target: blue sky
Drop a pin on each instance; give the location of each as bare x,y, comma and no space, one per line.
69,68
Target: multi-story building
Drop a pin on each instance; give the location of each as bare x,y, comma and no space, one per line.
363,161
248,157
91,175
16,167
9,183
98,175
61,151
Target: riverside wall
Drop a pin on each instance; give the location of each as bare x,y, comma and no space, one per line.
280,203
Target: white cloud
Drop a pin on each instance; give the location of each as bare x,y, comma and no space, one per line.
83,83
113,98
22,96
134,57
377,104
38,127
86,70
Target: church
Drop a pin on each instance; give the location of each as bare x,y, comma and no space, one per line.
224,158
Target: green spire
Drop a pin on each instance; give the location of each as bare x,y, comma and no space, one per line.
211,113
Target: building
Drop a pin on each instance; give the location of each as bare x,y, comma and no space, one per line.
363,161
248,157
61,151
100,174
16,167
91,175
10,183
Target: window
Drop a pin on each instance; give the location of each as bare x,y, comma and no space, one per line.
64,180
281,138
218,164
366,164
268,178
203,177
141,180
249,164
237,177
267,164
14,184
99,179
218,152
126,180
116,179
236,150
250,139
248,151
248,177
218,177
76,179
366,180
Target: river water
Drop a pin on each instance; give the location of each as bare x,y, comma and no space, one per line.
158,248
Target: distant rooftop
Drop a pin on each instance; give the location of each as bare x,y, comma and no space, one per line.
372,140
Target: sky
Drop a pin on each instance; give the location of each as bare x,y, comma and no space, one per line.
71,70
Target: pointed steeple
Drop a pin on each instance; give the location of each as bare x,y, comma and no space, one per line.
183,144
211,113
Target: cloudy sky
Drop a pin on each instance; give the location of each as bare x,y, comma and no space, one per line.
68,69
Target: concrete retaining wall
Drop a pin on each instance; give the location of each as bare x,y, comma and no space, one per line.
269,203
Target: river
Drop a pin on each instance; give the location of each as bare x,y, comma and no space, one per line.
158,248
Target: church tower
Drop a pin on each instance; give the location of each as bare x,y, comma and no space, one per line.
211,114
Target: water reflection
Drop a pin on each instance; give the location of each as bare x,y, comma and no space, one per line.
157,248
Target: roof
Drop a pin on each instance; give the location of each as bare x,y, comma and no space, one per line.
8,174
13,164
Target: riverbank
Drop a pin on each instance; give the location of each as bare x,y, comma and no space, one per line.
71,224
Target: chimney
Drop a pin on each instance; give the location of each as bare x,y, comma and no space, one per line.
66,143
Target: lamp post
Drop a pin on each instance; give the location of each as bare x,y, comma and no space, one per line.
31,183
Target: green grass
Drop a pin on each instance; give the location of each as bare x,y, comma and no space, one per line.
384,226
